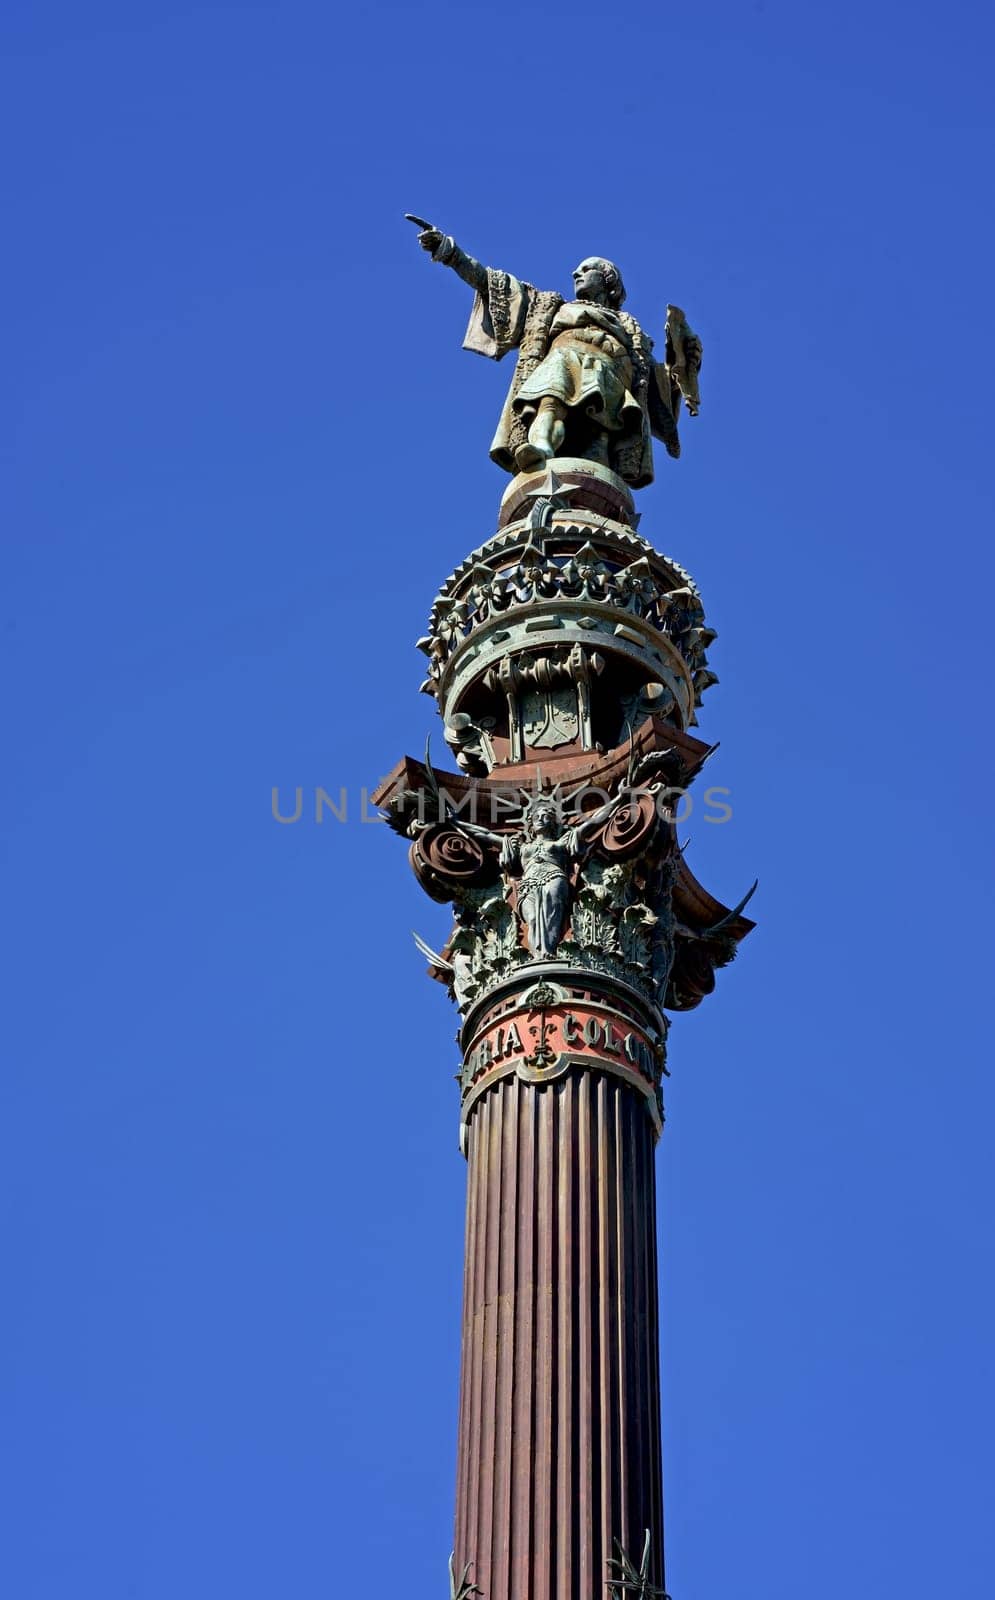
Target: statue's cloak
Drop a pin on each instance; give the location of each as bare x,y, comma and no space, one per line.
511,315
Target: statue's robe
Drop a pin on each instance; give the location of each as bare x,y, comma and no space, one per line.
510,315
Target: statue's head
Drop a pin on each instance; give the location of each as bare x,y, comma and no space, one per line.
599,280
542,818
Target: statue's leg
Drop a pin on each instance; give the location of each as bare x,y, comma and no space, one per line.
546,435
555,899
528,907
549,429
555,916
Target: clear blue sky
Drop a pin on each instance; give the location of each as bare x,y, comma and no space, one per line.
241,447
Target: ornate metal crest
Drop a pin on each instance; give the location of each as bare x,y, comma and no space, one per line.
539,1000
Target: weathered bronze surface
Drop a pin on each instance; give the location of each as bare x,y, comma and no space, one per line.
567,658
585,382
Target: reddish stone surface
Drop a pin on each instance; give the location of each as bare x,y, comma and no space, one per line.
559,1420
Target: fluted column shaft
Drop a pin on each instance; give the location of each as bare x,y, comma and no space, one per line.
559,1420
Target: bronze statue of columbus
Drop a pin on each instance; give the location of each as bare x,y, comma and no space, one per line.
585,383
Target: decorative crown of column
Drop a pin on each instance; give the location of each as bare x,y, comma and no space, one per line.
567,658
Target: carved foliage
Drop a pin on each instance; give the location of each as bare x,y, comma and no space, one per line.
629,1580
461,1588
617,902
622,921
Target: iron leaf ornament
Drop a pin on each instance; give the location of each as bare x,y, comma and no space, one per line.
632,1580
464,1588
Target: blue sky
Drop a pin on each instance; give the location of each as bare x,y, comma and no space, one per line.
241,448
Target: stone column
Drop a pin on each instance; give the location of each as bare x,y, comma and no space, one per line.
559,1421
568,660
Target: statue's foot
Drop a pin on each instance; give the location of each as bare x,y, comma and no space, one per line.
530,457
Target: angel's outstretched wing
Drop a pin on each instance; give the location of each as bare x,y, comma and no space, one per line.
431,955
